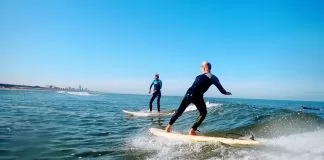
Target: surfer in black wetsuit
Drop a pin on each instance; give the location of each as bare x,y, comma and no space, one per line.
195,95
157,86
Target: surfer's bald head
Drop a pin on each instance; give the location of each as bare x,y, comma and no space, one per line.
206,65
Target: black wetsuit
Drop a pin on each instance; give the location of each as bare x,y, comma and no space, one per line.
156,93
195,95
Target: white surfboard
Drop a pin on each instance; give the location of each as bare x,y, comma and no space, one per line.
146,114
177,136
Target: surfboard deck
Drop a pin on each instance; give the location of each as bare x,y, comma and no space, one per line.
146,114
177,136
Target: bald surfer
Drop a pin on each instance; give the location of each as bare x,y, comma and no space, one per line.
195,95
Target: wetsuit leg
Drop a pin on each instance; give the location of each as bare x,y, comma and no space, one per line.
158,100
152,99
201,106
184,104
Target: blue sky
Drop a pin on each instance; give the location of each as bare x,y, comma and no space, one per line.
258,49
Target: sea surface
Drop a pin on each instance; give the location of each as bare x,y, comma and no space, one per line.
81,125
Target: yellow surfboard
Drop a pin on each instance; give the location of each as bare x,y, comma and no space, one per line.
228,141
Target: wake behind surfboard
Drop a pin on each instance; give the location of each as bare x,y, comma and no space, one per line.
147,114
182,137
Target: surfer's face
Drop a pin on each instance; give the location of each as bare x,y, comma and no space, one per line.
203,68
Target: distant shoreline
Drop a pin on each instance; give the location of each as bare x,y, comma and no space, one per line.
23,89
39,88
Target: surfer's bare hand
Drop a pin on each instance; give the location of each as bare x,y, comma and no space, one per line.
228,93
149,92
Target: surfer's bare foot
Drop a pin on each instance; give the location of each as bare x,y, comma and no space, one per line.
192,132
168,128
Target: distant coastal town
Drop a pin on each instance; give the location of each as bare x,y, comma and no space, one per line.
48,87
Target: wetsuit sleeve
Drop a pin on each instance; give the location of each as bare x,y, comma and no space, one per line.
151,84
216,82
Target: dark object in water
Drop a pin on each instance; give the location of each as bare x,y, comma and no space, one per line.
317,109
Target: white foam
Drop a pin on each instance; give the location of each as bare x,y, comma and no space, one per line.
302,146
80,93
166,149
192,107
308,145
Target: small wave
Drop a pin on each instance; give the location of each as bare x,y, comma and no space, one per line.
280,123
75,93
192,107
287,124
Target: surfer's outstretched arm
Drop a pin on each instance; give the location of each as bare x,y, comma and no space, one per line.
151,85
216,82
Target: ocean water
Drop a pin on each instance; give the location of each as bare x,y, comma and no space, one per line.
76,125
